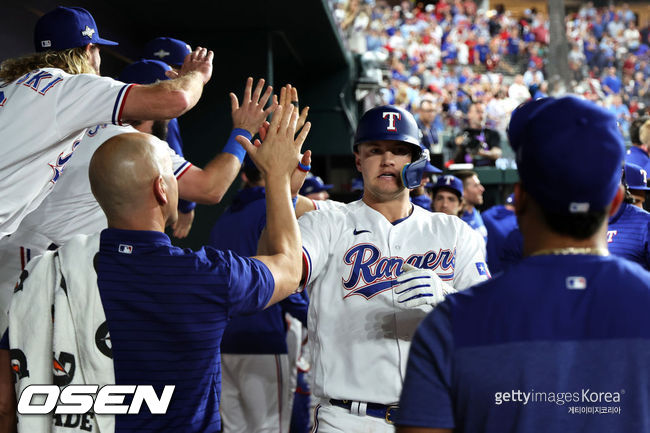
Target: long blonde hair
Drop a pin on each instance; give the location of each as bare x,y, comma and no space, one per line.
72,61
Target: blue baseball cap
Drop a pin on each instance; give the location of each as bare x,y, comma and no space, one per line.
65,28
145,72
169,50
314,184
636,177
450,182
569,153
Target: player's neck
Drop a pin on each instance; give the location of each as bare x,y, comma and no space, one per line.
538,238
154,222
393,210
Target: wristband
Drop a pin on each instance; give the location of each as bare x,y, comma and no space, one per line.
233,147
185,206
303,167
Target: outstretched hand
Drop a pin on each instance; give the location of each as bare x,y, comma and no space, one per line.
280,149
251,115
199,60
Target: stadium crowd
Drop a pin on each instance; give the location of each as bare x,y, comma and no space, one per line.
453,53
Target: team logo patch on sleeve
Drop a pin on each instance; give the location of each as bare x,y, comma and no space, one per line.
482,269
576,283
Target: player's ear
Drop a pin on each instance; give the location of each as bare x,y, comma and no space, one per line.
618,199
357,161
160,190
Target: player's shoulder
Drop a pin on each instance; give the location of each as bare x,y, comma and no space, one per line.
107,130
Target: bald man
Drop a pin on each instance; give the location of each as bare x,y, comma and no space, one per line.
166,308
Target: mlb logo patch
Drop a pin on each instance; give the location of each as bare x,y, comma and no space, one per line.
482,269
576,283
125,249
46,44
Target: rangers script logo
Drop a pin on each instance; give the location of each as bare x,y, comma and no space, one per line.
372,274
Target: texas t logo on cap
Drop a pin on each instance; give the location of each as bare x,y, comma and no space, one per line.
391,115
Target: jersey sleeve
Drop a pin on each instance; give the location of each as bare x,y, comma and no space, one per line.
314,229
86,100
179,164
426,400
250,284
471,267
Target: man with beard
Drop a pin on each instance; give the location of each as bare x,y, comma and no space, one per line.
71,208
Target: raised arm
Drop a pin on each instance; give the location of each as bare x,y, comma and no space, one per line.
208,185
171,98
276,158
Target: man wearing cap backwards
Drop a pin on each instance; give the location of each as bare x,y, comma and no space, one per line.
374,268
561,341
71,208
49,98
448,195
173,52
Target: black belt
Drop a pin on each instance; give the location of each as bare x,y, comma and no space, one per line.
372,409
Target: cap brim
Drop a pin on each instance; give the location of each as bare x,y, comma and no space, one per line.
101,41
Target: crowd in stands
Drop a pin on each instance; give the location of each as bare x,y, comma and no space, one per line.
453,53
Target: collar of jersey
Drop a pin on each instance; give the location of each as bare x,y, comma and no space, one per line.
112,237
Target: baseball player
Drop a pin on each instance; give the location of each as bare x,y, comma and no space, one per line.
638,152
499,221
45,111
559,342
448,195
256,388
173,52
71,209
628,231
364,306
636,179
473,195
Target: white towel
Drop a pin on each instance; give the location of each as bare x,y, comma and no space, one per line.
58,311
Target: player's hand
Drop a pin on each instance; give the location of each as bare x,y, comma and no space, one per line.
289,96
417,287
251,115
279,152
199,60
183,224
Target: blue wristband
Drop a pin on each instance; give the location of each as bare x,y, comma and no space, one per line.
233,147
185,206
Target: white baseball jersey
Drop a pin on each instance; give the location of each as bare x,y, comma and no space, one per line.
71,208
43,116
359,337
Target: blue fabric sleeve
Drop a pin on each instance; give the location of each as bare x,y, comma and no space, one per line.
251,284
185,206
174,139
426,399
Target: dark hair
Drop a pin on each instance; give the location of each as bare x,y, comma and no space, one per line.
465,174
579,226
635,126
